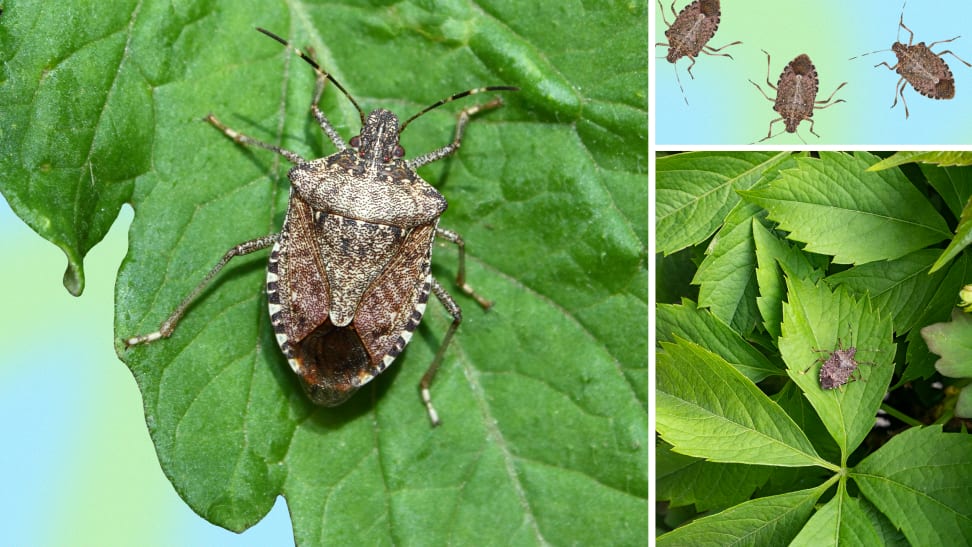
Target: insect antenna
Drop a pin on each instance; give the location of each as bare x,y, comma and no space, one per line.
868,53
457,96
318,69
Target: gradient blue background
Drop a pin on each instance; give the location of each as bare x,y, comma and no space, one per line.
724,108
77,464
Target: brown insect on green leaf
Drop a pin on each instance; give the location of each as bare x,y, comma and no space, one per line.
349,275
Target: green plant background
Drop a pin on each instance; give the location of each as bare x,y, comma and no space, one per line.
543,398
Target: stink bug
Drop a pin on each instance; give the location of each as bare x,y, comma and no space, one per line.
349,274
796,94
689,33
921,67
839,366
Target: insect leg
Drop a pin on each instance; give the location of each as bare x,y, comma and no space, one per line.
827,100
911,35
461,276
245,140
319,115
770,132
464,116
691,64
953,54
663,12
899,91
768,82
814,133
169,325
456,313
761,91
709,50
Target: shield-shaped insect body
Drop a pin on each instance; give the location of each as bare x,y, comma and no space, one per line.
921,67
838,366
349,274
690,32
796,94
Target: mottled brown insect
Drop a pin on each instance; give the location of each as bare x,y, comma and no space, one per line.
689,33
796,93
839,366
349,274
921,67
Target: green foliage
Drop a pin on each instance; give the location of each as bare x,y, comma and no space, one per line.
816,254
543,398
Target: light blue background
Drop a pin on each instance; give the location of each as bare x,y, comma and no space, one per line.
77,464
724,108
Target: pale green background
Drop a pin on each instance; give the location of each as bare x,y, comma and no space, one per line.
77,464
724,108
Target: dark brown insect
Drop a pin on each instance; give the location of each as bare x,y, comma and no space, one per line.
796,94
839,367
349,275
921,67
689,33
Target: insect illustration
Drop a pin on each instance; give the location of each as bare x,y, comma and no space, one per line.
839,366
349,274
921,67
796,93
689,33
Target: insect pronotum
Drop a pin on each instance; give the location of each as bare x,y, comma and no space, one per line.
349,274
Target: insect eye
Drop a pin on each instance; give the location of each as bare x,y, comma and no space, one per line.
399,151
355,141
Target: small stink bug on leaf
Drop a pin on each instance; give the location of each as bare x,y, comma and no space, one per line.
690,32
921,67
796,94
839,366
349,274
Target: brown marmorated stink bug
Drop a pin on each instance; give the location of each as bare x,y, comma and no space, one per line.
839,366
796,94
689,33
349,274
921,67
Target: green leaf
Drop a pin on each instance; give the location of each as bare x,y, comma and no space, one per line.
726,273
838,208
816,319
953,342
689,322
683,480
708,409
921,481
953,184
902,286
773,520
776,257
543,398
77,121
938,307
695,191
726,280
961,240
841,521
939,158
